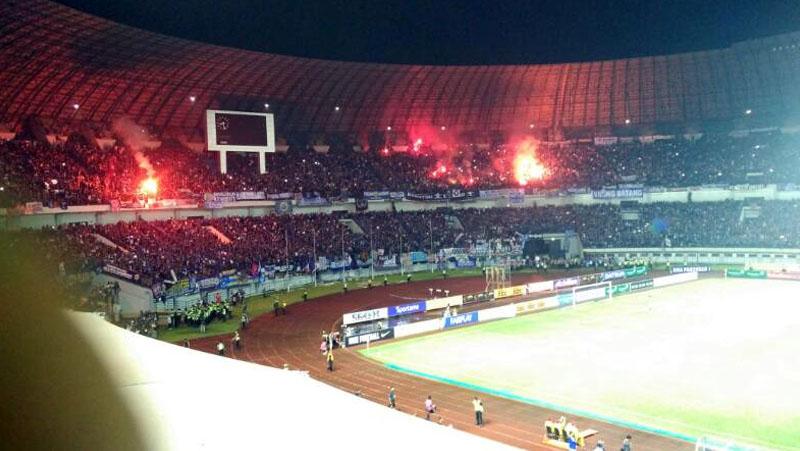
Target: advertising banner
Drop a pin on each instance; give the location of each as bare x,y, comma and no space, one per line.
746,273
370,336
419,327
506,311
612,275
461,320
536,305
589,295
682,269
365,316
538,287
565,283
407,309
675,278
440,303
785,275
641,284
635,271
620,289
518,290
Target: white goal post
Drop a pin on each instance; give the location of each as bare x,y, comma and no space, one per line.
591,292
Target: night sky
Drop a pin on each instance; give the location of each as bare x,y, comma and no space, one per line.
458,32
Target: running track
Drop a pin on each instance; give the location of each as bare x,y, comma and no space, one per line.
294,339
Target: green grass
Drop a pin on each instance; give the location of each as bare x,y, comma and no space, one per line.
258,305
685,361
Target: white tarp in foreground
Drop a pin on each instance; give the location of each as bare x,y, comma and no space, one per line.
190,400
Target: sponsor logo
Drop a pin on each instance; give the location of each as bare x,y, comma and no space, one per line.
364,316
405,309
462,319
371,336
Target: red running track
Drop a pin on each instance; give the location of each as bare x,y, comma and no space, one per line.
294,339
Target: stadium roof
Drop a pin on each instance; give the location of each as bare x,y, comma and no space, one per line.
63,64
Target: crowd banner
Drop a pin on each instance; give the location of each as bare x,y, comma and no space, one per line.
384,195
500,193
420,327
682,269
746,273
440,303
461,320
365,316
673,279
518,290
407,309
538,287
536,305
449,195
636,271
377,335
505,311
620,193
312,201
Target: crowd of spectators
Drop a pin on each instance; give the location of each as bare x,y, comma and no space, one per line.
75,172
153,250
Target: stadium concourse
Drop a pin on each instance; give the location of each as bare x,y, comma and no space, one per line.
294,338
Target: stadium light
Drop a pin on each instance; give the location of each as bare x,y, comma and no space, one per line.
389,128
627,121
336,108
192,98
75,106
266,106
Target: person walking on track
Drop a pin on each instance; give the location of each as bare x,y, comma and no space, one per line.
392,398
329,359
430,408
477,405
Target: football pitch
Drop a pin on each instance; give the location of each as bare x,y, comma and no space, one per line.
717,357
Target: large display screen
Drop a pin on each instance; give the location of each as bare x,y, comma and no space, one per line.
240,131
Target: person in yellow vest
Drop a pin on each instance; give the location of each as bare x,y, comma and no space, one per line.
329,360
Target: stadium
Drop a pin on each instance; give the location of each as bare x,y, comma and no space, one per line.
210,247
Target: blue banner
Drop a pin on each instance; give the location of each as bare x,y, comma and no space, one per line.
407,309
461,320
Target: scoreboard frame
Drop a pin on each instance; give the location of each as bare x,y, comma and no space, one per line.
223,149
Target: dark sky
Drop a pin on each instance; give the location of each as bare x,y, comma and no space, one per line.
458,31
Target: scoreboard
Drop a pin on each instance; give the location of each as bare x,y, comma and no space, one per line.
240,131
